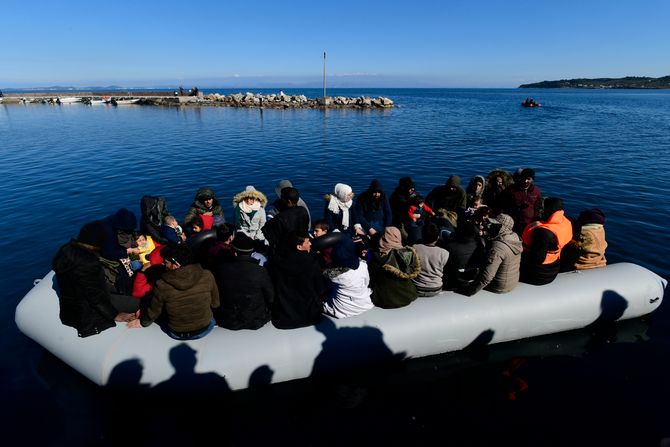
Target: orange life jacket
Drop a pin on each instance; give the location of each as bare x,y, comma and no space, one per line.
559,225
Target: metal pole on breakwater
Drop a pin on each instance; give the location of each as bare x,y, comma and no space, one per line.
324,78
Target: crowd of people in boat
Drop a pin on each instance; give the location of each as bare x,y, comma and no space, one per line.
274,262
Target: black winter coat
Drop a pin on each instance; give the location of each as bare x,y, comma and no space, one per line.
83,295
299,287
246,294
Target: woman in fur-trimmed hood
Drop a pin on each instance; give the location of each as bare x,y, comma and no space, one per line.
250,216
392,269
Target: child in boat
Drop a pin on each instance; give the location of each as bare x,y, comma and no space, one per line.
197,225
145,245
321,228
418,213
172,231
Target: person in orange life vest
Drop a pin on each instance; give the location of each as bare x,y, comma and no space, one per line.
542,244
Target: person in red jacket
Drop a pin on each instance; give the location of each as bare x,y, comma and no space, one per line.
523,200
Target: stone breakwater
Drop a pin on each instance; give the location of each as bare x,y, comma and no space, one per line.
250,100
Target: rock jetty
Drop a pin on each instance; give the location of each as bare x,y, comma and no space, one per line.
249,100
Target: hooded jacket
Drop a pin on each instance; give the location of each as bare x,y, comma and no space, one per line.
82,290
391,277
442,197
197,208
369,210
501,269
187,295
122,221
252,222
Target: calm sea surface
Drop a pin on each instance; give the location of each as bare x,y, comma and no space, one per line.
65,165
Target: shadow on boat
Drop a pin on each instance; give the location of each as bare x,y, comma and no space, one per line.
482,395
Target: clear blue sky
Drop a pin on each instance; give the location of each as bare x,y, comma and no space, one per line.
477,43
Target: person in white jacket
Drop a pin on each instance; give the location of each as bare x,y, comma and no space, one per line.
348,293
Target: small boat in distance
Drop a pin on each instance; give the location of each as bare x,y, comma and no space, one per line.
121,102
67,100
530,102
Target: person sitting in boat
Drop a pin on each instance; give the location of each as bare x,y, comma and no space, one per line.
450,196
399,201
466,255
500,272
433,260
85,300
418,215
197,225
222,250
587,248
145,279
207,206
299,284
245,288
325,254
249,212
543,241
279,205
338,210
475,187
185,295
348,282
522,201
292,218
145,245
392,268
172,231
120,244
373,211
497,181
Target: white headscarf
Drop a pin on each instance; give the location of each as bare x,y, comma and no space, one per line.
338,202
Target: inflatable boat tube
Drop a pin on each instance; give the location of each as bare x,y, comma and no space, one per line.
428,326
328,240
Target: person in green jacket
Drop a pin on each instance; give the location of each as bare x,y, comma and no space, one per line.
392,269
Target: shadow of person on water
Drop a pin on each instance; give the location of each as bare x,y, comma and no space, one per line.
351,360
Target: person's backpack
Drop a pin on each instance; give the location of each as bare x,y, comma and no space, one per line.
154,209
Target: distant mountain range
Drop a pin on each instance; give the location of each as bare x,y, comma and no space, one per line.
627,82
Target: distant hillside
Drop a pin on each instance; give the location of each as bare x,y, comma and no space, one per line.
627,82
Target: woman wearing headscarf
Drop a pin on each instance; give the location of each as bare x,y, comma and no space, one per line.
392,269
249,206
339,213
348,289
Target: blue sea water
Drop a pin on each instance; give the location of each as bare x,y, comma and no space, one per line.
65,165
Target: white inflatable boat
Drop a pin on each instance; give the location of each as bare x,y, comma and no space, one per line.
428,326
